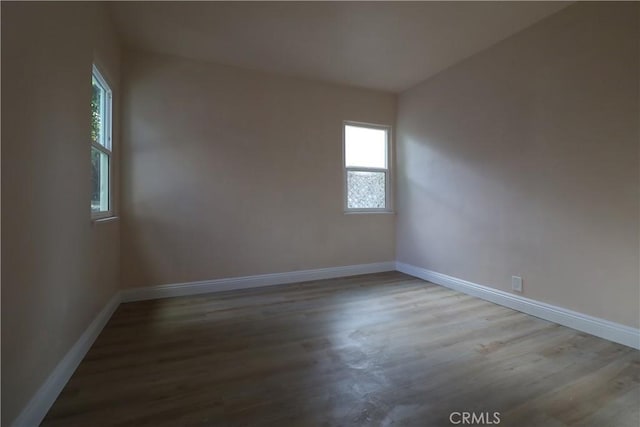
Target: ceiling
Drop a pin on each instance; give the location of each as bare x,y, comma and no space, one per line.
388,46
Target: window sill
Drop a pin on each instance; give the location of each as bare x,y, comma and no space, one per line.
369,212
105,220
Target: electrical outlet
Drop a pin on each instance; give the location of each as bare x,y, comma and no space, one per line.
516,283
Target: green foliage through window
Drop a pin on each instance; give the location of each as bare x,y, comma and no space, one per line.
96,98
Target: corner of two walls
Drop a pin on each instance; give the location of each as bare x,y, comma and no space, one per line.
229,172
523,160
59,270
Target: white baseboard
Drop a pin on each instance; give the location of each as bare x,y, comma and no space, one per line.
592,325
234,283
35,411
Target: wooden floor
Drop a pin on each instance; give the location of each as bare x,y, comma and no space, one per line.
375,350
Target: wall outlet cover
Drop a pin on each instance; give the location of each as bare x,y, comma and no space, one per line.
516,283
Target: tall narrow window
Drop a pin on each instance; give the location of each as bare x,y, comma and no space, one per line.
101,163
366,167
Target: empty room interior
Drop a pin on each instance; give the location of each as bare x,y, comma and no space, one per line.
320,214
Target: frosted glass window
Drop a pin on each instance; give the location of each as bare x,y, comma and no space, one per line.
366,166
366,190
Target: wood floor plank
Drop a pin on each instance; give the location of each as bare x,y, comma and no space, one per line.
379,349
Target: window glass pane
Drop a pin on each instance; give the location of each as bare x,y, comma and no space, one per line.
365,147
366,190
97,112
99,181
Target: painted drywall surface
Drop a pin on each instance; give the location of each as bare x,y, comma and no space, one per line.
229,172
523,160
59,269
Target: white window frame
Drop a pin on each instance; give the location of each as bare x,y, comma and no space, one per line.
107,149
387,171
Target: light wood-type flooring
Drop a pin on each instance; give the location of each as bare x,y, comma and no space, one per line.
374,350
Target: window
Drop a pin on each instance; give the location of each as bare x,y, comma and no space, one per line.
101,164
366,167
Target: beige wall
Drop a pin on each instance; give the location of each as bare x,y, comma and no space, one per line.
523,160
58,269
229,172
